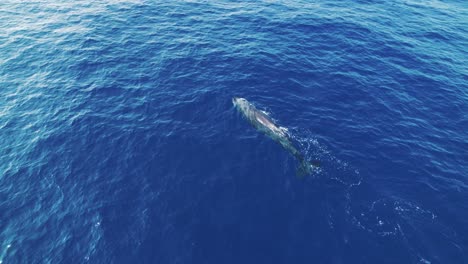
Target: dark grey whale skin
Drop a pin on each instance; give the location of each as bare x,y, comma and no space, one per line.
262,122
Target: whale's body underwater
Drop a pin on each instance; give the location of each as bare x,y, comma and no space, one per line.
262,122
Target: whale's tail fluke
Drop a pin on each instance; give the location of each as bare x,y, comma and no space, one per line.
305,167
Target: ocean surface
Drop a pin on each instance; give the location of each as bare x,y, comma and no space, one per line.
119,142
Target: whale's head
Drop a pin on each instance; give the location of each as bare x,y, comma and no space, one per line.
241,104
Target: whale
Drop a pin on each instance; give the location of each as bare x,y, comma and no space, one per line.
265,124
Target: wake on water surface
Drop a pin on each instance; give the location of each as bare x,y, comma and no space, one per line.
390,219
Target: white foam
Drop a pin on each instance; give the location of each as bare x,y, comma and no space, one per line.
5,251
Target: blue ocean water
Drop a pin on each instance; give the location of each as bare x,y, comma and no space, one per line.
119,142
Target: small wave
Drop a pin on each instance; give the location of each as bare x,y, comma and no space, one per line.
5,252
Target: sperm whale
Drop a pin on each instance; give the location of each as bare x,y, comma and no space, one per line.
262,122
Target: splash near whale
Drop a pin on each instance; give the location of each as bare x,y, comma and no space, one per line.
262,122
